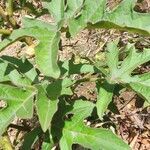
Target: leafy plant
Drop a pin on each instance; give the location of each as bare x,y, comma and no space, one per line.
45,84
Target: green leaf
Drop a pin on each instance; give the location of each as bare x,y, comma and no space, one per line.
4,43
46,146
9,73
92,12
125,17
94,15
134,59
75,132
45,52
73,8
45,107
56,9
142,86
25,69
28,23
47,99
19,103
104,98
30,138
68,68
112,55
82,106
122,72
59,87
47,143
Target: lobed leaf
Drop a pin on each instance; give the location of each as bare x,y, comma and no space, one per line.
75,132
59,87
122,72
10,73
73,8
112,55
47,100
29,23
22,66
94,15
56,9
19,103
30,138
45,108
92,12
45,52
68,68
142,86
125,17
104,98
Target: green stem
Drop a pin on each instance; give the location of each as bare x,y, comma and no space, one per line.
10,7
5,31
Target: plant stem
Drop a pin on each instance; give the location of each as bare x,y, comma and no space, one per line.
10,7
3,14
5,31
